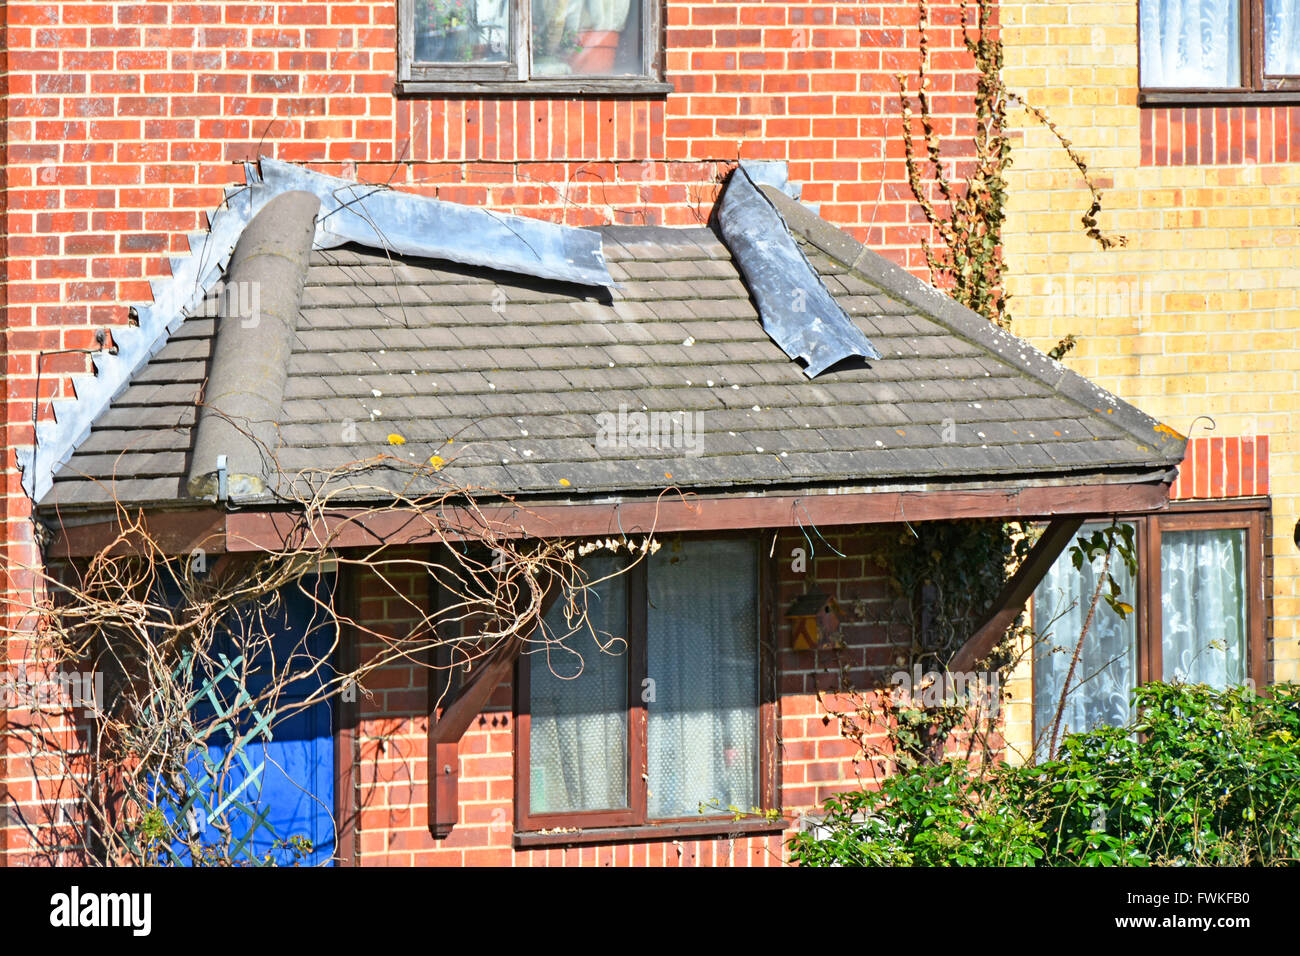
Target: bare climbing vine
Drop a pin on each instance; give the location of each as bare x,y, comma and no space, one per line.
968,216
184,646
944,575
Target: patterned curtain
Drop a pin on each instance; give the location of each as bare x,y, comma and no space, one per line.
1192,43
578,702
702,734
1203,606
1107,669
1282,37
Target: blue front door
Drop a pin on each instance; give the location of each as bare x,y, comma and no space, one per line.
294,788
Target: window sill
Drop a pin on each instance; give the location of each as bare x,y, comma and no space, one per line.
596,86
1218,98
663,831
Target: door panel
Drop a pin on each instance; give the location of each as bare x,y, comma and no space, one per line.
286,776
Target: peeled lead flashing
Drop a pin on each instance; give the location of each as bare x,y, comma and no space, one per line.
795,307
412,225
258,313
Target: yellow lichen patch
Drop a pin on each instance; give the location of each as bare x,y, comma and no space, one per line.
564,482
396,439
1166,430
436,462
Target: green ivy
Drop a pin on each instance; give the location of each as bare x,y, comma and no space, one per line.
1200,778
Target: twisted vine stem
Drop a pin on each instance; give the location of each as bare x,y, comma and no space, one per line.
968,217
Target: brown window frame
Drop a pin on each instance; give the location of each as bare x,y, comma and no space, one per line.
1256,89
512,78
595,826
1251,514
1253,517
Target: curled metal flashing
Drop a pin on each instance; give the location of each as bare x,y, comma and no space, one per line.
795,307
407,224
237,424
350,212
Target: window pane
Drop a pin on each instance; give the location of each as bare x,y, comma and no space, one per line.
578,702
1107,670
702,623
1282,37
462,31
591,37
1191,43
1203,606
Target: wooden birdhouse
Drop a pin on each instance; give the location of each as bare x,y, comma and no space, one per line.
814,618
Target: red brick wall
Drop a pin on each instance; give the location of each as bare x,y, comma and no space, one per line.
1228,467
6,556
1219,136
125,120
815,760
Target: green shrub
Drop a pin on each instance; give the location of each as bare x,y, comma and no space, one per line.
1201,777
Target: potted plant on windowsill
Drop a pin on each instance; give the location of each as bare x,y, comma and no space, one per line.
604,22
555,35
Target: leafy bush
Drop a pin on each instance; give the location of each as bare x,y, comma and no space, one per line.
1201,777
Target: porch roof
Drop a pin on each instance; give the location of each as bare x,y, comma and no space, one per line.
436,374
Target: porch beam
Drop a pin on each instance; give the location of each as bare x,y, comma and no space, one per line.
216,532
690,513
1016,592
176,532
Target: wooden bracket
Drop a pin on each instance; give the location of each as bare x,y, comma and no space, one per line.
1016,592
445,733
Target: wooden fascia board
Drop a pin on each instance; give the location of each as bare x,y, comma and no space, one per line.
215,532
350,528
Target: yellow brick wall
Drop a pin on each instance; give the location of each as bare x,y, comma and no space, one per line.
1199,314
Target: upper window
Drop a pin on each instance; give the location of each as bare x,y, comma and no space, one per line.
650,710
529,45
1218,46
1198,618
